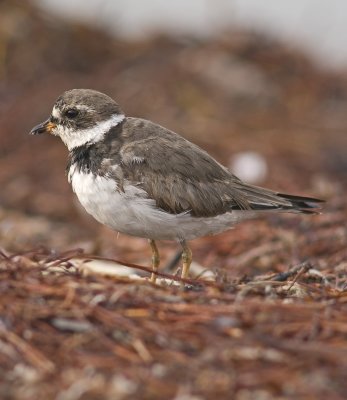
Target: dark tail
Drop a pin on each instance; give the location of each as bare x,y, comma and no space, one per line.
261,199
306,205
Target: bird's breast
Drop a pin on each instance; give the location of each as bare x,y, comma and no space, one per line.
97,194
128,209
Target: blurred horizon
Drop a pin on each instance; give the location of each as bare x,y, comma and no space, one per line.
315,27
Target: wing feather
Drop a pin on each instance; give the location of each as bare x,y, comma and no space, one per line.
181,177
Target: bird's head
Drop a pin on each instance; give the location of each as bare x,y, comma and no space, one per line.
81,116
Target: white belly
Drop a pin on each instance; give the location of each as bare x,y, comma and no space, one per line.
131,212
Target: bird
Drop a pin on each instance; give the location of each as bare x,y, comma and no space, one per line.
144,180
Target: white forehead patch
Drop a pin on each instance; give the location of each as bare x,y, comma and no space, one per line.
55,113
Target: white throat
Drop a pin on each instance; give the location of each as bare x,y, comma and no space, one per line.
73,139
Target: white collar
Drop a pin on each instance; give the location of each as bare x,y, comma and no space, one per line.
90,135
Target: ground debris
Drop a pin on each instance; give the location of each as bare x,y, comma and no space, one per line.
116,335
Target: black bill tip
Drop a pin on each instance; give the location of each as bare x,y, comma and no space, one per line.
44,127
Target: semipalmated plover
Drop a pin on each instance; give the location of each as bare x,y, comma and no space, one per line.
144,180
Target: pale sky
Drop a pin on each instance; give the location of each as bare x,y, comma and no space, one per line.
318,26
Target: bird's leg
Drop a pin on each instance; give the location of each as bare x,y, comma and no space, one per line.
187,257
155,259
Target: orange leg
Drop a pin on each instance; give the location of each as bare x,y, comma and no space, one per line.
155,259
187,257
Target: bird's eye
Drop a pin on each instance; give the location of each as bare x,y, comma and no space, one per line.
71,113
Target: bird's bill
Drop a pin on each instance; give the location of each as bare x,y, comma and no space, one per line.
44,127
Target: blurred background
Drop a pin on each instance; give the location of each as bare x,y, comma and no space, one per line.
261,86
